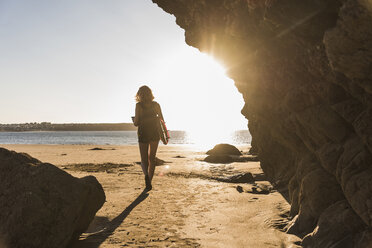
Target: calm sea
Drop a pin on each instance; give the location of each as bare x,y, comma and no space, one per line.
241,137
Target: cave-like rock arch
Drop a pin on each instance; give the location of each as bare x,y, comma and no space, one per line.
304,69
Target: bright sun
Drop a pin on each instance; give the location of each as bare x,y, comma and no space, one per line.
197,96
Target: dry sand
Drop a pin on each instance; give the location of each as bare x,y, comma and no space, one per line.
186,208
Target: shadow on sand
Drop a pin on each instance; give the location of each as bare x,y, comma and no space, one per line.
96,239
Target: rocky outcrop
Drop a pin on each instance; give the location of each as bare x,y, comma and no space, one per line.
304,70
41,205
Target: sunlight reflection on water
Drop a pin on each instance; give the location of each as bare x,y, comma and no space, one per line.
201,139
209,139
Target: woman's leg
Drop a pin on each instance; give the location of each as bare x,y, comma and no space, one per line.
144,149
152,157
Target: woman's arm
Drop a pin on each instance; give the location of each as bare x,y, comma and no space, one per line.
136,117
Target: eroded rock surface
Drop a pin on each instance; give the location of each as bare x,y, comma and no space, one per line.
304,69
41,205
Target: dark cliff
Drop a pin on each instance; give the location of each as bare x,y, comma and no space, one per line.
305,71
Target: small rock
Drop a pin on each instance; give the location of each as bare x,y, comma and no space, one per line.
179,156
96,149
240,178
239,189
260,190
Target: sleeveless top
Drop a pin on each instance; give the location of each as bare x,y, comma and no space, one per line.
148,123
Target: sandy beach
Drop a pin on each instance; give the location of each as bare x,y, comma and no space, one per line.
187,206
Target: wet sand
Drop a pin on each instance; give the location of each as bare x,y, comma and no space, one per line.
186,208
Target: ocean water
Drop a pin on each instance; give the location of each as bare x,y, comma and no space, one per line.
241,137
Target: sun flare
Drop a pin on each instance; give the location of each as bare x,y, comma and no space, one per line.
200,99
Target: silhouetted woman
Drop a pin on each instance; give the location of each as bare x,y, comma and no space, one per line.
146,118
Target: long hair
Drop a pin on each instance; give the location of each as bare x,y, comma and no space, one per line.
144,94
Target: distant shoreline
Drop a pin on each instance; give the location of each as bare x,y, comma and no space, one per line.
47,126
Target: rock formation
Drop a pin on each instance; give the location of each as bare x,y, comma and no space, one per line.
304,69
41,205
224,149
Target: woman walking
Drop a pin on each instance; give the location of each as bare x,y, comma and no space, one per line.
146,119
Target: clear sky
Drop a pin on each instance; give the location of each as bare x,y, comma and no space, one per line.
83,61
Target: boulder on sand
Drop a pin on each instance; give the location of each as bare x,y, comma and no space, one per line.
224,149
219,159
42,205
